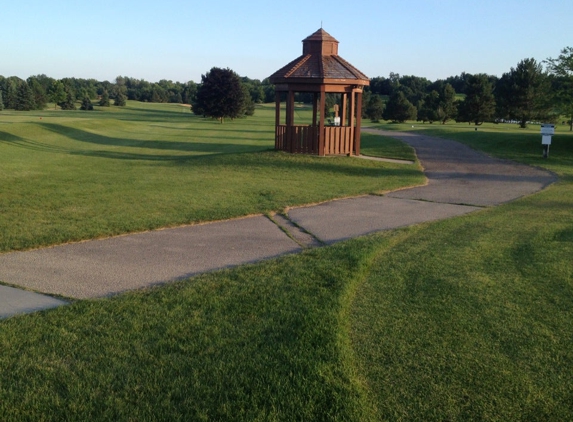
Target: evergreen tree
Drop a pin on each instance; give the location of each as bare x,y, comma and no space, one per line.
479,104
10,91
24,98
447,106
104,101
523,93
374,108
120,99
430,108
69,102
38,92
248,103
87,104
220,95
399,109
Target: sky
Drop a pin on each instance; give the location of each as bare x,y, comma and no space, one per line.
181,40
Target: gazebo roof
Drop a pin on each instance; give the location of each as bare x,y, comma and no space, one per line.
319,63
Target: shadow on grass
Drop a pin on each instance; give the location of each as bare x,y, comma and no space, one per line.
202,147
243,159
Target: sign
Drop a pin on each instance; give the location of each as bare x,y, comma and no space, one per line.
547,129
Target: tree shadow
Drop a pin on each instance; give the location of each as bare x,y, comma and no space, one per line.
190,146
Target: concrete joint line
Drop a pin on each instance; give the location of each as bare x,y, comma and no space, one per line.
299,234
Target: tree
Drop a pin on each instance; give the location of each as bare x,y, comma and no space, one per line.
120,99
523,94
248,103
430,108
1,102
87,104
104,100
57,93
69,102
39,91
220,95
399,109
479,104
374,108
24,98
120,91
447,105
562,70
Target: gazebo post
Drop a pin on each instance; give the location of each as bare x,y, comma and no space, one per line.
290,121
358,124
278,138
344,114
314,143
321,122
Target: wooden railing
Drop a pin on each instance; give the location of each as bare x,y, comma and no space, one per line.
304,139
339,140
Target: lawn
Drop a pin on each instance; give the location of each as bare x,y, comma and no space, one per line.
465,319
68,176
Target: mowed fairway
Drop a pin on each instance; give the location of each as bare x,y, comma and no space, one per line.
69,176
464,319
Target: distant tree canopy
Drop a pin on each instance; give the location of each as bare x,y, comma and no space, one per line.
525,93
222,95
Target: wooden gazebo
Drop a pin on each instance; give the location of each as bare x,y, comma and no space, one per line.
320,70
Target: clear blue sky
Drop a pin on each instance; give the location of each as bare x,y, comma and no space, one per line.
180,40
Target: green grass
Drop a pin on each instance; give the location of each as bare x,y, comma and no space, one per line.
383,146
68,176
465,319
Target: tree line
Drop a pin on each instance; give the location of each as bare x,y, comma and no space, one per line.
531,91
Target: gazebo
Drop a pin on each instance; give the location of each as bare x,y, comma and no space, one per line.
320,70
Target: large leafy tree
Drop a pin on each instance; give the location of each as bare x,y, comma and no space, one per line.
220,95
523,94
562,69
479,104
399,109
1,101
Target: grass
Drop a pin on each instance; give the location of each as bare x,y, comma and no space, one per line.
465,319
69,176
383,146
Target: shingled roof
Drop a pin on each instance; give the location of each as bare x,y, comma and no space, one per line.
319,62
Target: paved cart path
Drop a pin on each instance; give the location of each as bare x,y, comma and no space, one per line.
460,180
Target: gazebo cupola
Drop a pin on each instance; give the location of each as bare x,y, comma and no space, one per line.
320,70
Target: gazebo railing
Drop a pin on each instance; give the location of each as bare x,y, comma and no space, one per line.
304,139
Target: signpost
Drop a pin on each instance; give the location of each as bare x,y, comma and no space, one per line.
547,130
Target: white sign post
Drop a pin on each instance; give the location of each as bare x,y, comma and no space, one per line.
547,130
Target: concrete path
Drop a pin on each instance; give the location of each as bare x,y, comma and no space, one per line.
460,181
